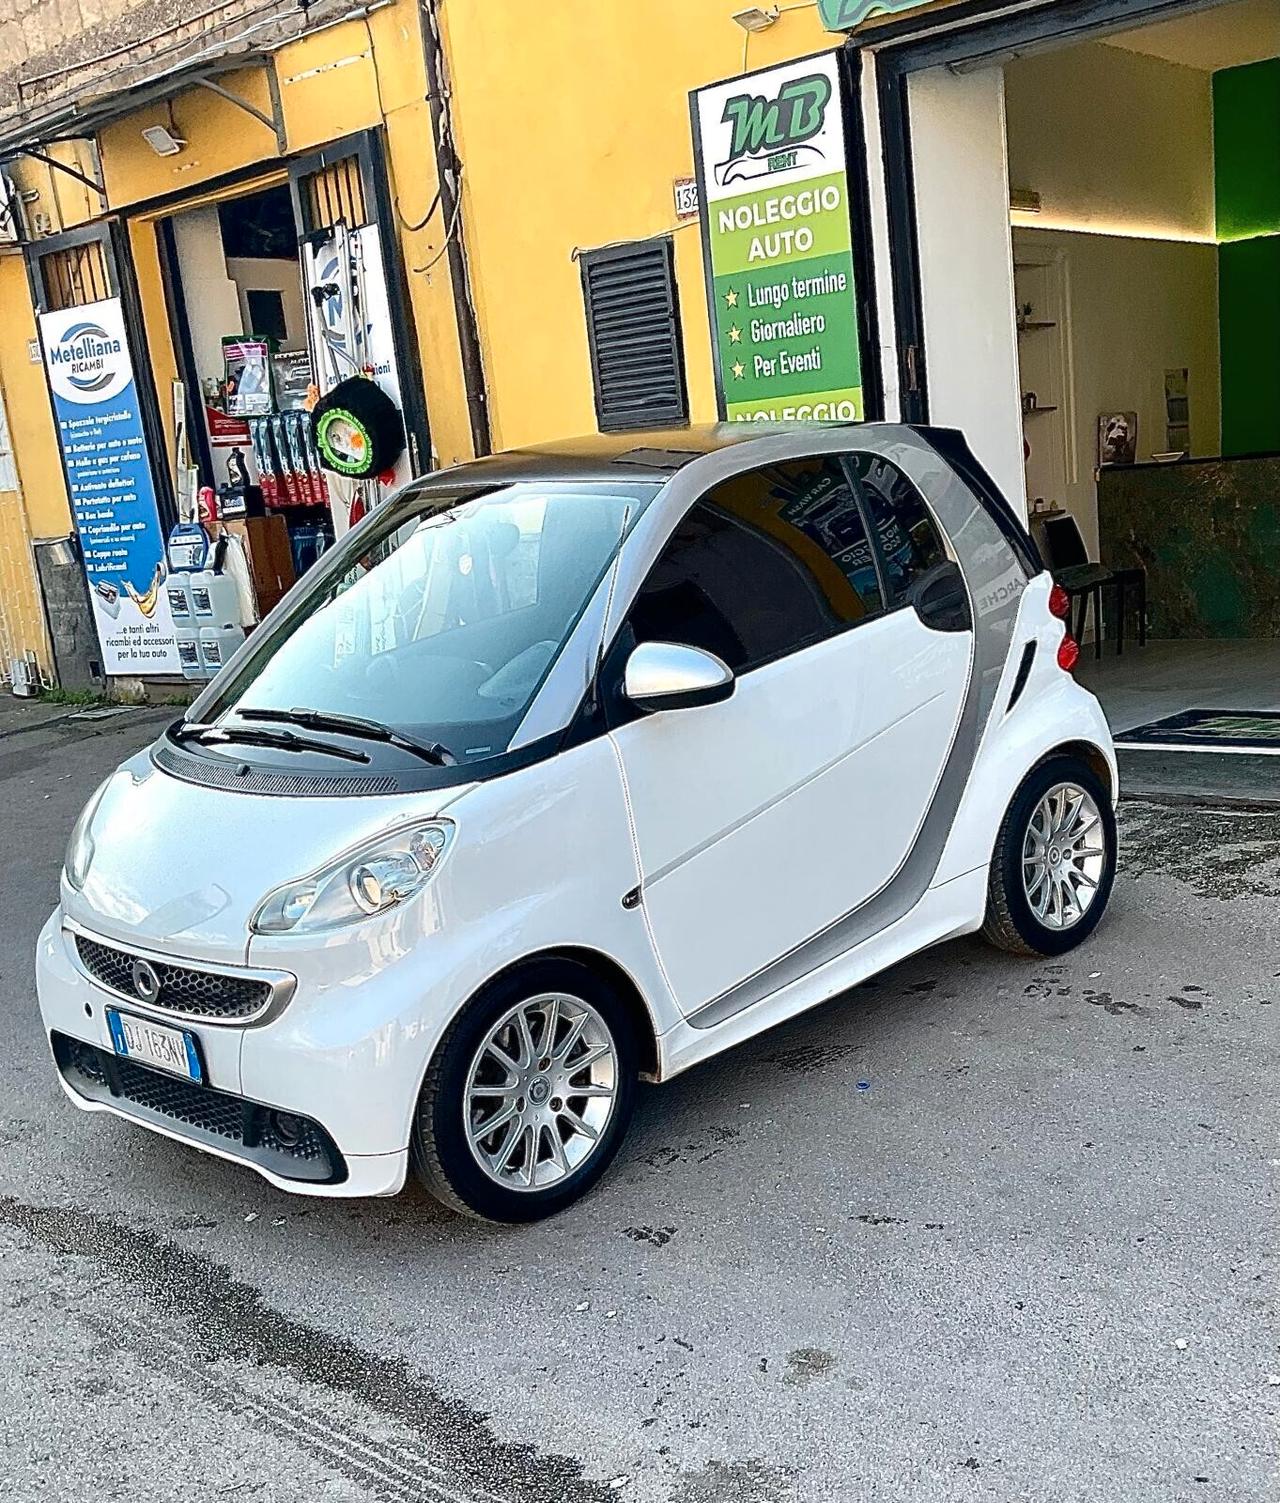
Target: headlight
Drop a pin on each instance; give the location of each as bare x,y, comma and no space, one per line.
75,864
368,880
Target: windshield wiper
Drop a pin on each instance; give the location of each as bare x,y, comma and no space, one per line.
194,730
354,725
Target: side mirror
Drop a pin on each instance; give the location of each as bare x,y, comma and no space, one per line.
668,676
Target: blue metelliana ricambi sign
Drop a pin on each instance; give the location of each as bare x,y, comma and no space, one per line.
95,401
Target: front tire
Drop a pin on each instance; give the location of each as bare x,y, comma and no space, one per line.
1054,861
529,1095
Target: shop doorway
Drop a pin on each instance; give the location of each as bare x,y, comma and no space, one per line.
1093,213
238,302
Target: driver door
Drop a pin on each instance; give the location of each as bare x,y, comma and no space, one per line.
762,820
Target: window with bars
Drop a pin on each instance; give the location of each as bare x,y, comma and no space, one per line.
75,276
633,330
334,194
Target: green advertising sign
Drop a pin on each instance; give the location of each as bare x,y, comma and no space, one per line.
778,241
844,15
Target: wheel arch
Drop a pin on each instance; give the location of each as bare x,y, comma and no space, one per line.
1093,757
613,974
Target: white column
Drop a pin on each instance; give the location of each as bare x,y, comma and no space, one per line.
966,265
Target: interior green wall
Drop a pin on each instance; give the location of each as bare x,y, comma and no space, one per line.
1246,148
1249,330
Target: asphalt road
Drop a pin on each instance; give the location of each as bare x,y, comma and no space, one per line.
985,1229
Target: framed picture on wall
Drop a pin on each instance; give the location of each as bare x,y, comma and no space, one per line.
1117,437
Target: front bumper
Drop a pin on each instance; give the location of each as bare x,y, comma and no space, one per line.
312,1156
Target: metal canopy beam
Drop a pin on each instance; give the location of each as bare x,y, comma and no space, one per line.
89,114
274,124
80,177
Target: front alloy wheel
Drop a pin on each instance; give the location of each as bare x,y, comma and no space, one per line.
540,1091
529,1094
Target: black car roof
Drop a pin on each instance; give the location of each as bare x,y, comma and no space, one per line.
645,455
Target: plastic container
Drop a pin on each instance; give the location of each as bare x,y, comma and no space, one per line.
189,652
217,643
215,600
178,588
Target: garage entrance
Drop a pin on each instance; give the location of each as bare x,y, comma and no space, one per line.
1093,213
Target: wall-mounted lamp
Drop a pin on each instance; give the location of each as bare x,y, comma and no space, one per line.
756,18
163,142
1024,200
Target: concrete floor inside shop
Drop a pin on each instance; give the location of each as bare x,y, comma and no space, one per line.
1166,677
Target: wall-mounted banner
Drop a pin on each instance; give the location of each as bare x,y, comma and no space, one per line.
777,241
95,402
844,15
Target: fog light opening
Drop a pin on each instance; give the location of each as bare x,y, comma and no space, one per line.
286,1129
85,1058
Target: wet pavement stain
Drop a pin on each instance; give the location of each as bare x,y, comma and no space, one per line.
736,1482
1204,849
806,1058
698,1152
806,1364
235,1325
655,1236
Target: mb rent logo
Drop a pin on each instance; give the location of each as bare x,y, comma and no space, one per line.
770,135
83,356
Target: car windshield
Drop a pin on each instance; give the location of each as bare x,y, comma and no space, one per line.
443,625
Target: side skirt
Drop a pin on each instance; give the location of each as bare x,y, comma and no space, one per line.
954,907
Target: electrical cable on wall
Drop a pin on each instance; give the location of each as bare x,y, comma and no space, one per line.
448,237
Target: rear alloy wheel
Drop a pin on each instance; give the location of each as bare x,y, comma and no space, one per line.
1063,856
1054,861
529,1096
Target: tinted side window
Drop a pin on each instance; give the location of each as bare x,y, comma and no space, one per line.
909,540
766,563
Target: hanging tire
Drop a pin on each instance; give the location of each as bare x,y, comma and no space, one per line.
1054,861
357,429
529,1095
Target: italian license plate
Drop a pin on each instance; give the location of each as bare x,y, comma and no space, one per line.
147,1043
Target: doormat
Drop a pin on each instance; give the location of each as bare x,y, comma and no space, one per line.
1208,730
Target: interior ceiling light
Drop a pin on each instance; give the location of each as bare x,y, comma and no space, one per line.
163,142
755,18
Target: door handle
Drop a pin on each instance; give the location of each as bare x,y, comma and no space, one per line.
941,599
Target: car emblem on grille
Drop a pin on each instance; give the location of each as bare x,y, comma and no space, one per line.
146,980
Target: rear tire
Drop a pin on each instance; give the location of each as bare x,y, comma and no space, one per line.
548,1054
1054,861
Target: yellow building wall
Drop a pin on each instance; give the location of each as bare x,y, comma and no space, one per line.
342,79
39,507
144,246
35,441
61,199
220,137
22,625
572,123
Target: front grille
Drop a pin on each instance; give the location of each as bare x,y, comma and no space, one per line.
291,1146
196,994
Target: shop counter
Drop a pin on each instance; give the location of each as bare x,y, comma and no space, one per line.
1207,531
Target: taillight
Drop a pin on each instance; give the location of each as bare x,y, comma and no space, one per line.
1059,603
1068,653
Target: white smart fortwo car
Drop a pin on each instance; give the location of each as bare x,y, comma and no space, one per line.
570,768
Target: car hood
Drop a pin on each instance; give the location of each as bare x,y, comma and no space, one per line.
181,867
